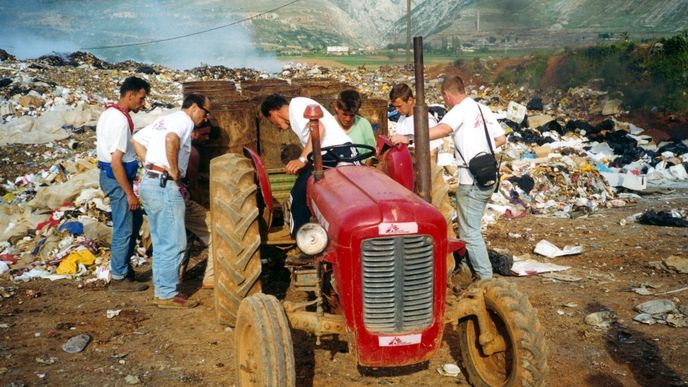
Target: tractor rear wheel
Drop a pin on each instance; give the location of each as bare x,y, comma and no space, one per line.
522,359
235,234
263,349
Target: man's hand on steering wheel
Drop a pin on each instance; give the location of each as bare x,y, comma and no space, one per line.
330,154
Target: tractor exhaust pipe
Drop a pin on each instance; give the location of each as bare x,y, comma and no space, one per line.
314,113
420,122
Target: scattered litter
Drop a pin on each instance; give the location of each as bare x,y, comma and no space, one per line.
77,343
532,267
570,305
677,320
562,277
38,273
46,360
449,369
642,290
677,263
602,319
113,313
645,318
549,250
132,379
675,290
656,307
675,218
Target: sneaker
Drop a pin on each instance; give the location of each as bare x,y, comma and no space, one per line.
125,285
177,302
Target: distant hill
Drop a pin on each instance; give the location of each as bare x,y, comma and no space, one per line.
68,25
547,23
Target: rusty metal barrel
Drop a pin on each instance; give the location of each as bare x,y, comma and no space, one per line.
217,90
320,87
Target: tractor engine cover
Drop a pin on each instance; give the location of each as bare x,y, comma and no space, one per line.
388,251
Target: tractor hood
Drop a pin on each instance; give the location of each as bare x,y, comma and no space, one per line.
350,198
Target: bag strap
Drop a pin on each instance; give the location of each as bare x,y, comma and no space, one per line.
126,114
487,135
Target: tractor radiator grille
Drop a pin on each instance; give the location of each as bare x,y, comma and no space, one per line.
397,283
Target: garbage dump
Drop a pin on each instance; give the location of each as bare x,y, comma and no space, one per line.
55,221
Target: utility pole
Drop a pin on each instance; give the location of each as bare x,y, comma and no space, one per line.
408,32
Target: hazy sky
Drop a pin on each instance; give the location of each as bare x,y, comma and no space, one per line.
31,28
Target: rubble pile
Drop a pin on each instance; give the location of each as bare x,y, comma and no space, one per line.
54,221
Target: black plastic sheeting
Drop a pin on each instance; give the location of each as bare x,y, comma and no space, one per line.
661,218
676,146
501,263
525,182
528,136
535,104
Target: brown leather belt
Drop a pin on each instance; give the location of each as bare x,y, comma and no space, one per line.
153,174
154,167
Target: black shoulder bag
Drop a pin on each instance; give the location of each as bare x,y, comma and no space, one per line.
483,166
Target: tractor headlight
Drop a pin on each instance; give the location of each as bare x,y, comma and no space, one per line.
311,238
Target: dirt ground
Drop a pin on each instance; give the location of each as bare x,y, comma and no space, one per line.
151,346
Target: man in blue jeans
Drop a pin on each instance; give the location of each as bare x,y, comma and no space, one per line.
168,148
118,166
464,122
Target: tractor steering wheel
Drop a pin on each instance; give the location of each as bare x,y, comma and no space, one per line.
330,155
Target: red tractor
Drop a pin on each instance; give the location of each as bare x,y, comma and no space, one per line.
373,262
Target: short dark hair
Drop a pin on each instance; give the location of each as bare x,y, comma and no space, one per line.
453,84
400,90
133,84
191,99
349,101
272,102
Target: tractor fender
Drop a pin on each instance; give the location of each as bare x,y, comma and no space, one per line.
457,245
396,162
262,177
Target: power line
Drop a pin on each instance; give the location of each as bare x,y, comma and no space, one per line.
191,34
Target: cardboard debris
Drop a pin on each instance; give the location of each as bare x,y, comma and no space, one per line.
549,250
532,267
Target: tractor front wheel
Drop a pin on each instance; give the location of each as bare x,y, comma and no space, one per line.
263,349
520,359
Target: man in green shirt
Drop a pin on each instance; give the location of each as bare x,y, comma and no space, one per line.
356,127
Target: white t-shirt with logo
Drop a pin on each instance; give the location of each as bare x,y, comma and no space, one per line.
468,133
112,134
405,126
153,138
333,135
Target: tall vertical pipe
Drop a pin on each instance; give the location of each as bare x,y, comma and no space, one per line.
420,123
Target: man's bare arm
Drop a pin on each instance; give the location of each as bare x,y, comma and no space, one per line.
122,180
172,151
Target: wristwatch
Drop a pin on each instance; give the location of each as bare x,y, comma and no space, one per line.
303,159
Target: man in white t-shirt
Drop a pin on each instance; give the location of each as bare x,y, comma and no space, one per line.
401,97
289,115
464,122
168,146
118,167
196,217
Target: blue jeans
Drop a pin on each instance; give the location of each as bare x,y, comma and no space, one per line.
165,209
472,202
125,226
